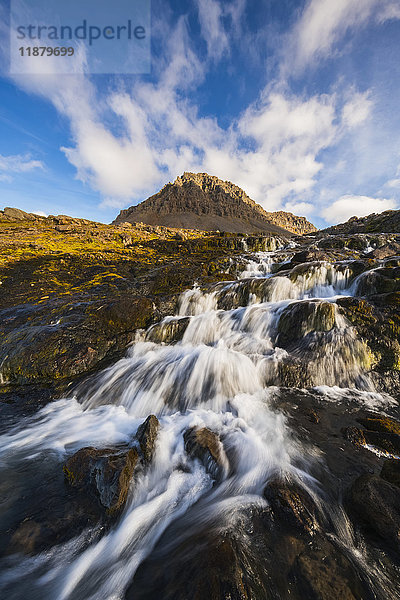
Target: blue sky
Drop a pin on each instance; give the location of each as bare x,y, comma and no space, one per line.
296,101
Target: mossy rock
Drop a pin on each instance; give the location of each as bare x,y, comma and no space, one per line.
301,318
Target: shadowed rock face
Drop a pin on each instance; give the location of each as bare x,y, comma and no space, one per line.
201,201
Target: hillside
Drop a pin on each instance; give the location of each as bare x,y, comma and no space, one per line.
385,222
202,201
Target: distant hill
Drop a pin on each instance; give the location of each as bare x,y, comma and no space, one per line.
385,222
202,201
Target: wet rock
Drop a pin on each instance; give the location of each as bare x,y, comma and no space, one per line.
379,281
311,254
26,538
147,436
293,374
292,504
168,332
391,471
381,424
206,446
390,249
383,441
301,318
325,574
355,436
377,503
105,474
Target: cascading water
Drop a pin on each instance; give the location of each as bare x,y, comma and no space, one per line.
215,375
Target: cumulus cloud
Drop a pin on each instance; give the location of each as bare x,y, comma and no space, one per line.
17,163
300,208
356,206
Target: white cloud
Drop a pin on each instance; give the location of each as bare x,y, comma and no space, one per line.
357,110
39,212
17,163
300,208
356,206
394,183
324,23
219,22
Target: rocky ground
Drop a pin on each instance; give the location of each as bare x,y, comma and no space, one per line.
74,295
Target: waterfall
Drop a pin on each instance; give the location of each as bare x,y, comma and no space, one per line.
234,345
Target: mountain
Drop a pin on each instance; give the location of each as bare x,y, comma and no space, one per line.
385,222
202,201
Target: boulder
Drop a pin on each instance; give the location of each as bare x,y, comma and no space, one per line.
147,436
376,503
206,446
105,474
291,504
301,318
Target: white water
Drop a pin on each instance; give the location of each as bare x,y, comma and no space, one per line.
217,376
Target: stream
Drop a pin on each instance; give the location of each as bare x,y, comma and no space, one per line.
216,364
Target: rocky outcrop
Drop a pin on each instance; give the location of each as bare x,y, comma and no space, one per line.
202,201
385,222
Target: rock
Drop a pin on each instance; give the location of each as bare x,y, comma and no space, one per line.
301,318
309,255
147,436
391,249
377,503
355,436
326,575
26,538
15,214
391,471
168,332
105,474
381,424
292,504
206,446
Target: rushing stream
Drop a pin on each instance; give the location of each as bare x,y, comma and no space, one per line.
221,374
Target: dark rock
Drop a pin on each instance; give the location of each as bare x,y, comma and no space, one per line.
103,473
325,574
381,424
292,504
391,471
355,436
377,503
168,332
206,446
147,436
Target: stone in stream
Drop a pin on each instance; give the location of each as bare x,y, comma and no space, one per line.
104,473
301,318
206,446
168,332
147,435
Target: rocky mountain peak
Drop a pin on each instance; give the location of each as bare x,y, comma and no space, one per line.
205,202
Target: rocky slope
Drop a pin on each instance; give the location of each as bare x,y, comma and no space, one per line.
386,222
201,201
